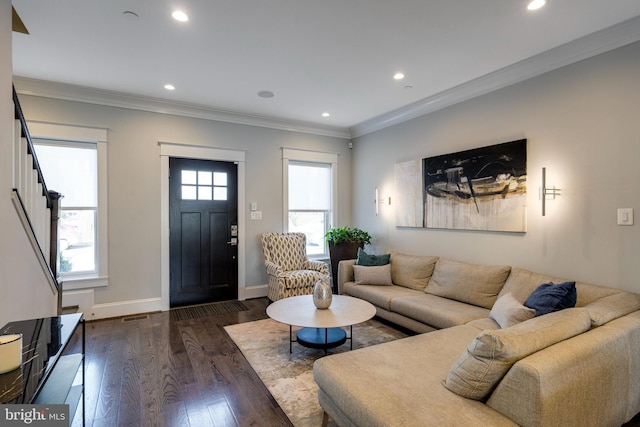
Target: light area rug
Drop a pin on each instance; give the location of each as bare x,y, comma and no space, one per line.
289,376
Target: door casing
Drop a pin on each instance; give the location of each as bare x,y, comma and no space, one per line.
169,149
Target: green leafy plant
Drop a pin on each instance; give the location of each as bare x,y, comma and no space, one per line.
347,234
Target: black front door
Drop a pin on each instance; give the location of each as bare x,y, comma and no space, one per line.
203,225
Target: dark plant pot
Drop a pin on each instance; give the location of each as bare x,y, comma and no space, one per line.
339,252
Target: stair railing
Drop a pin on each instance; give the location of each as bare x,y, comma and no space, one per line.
37,207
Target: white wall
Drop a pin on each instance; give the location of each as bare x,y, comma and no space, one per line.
582,122
134,188
24,290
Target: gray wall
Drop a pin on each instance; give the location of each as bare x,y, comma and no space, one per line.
134,183
582,122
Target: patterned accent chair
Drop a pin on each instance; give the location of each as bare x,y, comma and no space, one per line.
289,270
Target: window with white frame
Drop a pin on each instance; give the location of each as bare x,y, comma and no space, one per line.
71,169
74,163
310,196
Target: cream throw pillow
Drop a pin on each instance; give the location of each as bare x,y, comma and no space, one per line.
412,271
507,311
372,275
492,353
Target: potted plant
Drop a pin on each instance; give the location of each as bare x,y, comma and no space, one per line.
343,244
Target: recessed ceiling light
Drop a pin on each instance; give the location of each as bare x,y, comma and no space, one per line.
169,86
266,94
398,76
326,114
180,16
536,4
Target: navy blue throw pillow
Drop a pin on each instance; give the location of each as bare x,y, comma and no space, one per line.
548,298
372,260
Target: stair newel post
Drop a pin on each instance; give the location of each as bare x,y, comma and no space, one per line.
53,251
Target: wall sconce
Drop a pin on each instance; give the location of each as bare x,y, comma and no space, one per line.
381,201
547,191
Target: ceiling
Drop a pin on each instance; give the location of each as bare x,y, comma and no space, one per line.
335,56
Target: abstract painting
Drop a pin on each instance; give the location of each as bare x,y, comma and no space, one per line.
479,189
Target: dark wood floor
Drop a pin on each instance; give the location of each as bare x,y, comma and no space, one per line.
157,372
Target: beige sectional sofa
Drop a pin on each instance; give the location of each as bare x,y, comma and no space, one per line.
575,367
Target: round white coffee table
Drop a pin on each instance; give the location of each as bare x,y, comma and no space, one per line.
321,328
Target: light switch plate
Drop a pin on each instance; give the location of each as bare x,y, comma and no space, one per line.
256,215
625,216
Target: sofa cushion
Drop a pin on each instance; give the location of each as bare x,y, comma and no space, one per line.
604,304
610,307
380,296
399,383
475,284
521,283
507,311
364,258
374,275
412,271
490,355
549,297
436,311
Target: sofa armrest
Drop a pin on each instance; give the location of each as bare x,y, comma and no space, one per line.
564,384
345,273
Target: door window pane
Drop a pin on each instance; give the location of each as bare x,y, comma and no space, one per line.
189,192
220,178
204,178
220,193
204,193
189,177
204,185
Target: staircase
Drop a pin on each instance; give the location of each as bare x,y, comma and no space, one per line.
37,207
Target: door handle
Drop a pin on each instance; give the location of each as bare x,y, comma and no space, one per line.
233,242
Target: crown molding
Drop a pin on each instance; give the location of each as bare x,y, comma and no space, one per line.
67,92
616,36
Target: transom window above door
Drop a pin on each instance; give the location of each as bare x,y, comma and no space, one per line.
203,185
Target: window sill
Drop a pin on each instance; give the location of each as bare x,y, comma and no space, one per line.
83,282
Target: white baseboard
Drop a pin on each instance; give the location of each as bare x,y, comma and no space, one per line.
256,291
124,308
84,299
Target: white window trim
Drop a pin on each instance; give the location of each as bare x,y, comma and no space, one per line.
98,136
291,154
